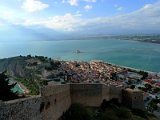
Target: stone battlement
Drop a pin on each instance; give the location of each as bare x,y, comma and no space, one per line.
55,100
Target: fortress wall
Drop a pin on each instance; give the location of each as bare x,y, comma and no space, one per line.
21,109
116,92
127,98
56,100
86,94
105,92
133,99
137,101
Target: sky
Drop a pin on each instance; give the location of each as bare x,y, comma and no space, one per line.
39,19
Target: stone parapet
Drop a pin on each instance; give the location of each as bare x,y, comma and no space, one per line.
55,100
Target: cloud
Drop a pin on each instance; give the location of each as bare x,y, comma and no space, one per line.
147,6
87,7
72,2
75,2
90,1
67,22
145,19
119,8
9,15
34,5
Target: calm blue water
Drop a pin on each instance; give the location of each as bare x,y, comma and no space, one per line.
145,56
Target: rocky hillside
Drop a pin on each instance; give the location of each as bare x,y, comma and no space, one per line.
32,72
28,67
14,66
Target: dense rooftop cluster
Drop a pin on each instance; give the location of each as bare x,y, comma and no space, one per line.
92,72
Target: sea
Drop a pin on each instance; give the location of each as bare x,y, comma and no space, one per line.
129,53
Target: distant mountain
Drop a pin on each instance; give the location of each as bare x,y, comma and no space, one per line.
20,33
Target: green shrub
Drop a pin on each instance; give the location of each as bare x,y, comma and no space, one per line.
30,84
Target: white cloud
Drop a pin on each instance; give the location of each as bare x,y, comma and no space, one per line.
90,1
68,22
34,5
146,18
147,6
87,7
9,15
73,2
119,8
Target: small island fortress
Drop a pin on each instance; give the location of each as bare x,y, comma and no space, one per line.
56,99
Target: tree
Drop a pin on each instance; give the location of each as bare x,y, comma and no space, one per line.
148,86
5,88
144,75
152,106
132,86
114,76
156,90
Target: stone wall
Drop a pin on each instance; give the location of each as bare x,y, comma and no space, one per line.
137,101
133,99
55,100
105,92
116,92
94,94
86,94
21,109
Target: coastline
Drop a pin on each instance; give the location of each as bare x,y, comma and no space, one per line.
116,65
134,69
149,41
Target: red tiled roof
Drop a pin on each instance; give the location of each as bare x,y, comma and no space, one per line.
157,84
148,81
